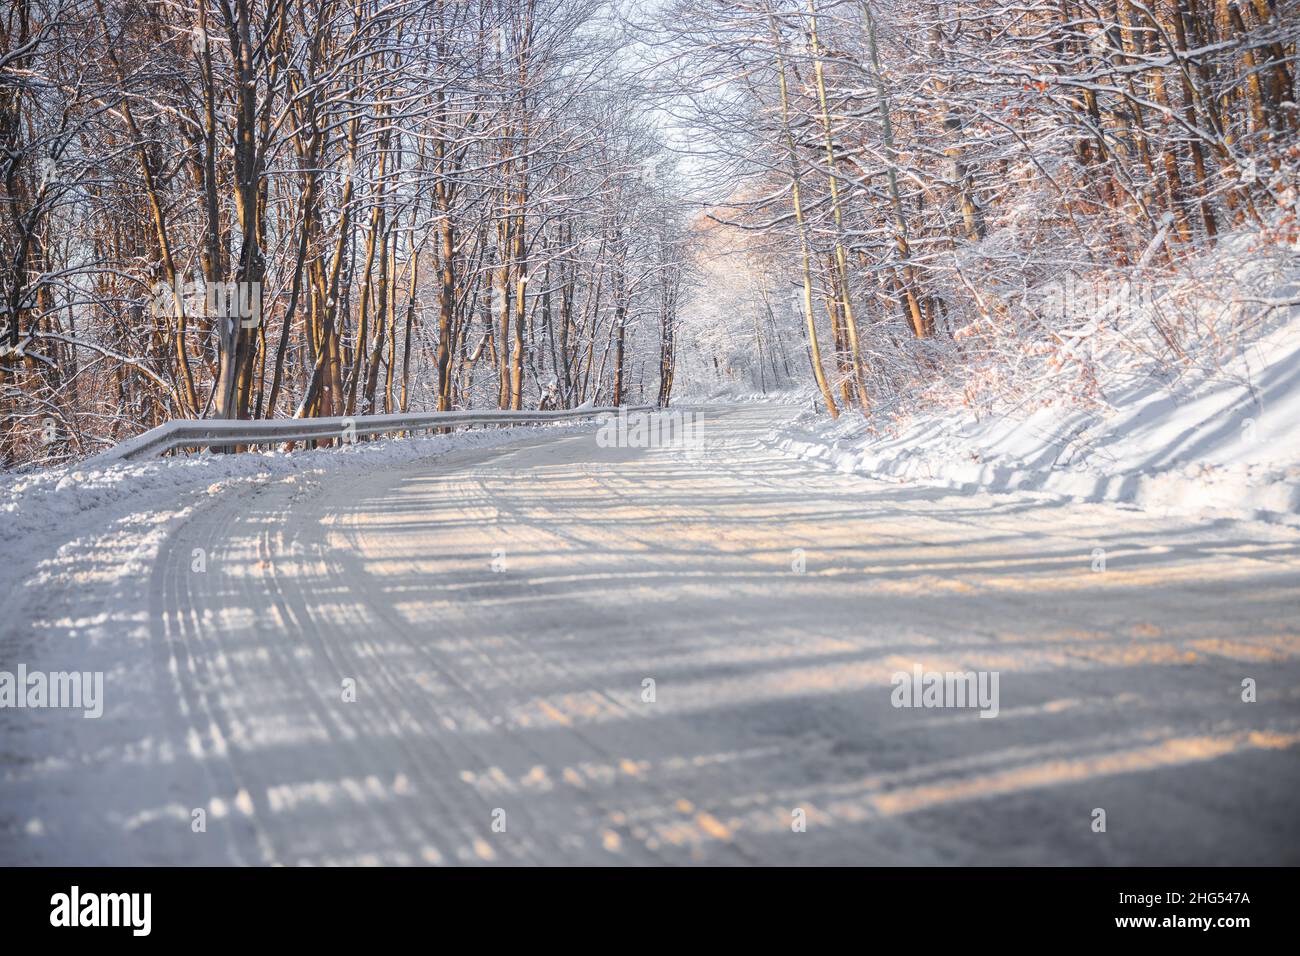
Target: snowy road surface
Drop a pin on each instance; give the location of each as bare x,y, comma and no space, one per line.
500,610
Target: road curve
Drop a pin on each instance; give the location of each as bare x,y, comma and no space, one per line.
449,663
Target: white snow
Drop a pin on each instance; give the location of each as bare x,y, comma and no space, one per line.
772,603
1225,440
44,512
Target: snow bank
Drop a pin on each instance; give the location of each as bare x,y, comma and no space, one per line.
1229,442
1196,404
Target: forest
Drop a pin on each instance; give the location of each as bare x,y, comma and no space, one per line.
947,204
274,208
253,210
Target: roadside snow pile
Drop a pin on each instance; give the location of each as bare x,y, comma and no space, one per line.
1217,437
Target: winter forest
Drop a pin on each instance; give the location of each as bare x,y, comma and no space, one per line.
298,208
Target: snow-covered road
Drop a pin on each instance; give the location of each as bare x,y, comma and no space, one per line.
499,611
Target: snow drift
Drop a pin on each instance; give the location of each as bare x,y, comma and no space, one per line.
1221,431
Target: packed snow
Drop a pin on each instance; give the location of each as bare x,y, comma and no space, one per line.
500,606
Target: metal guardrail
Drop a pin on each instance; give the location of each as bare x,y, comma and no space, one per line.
221,432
